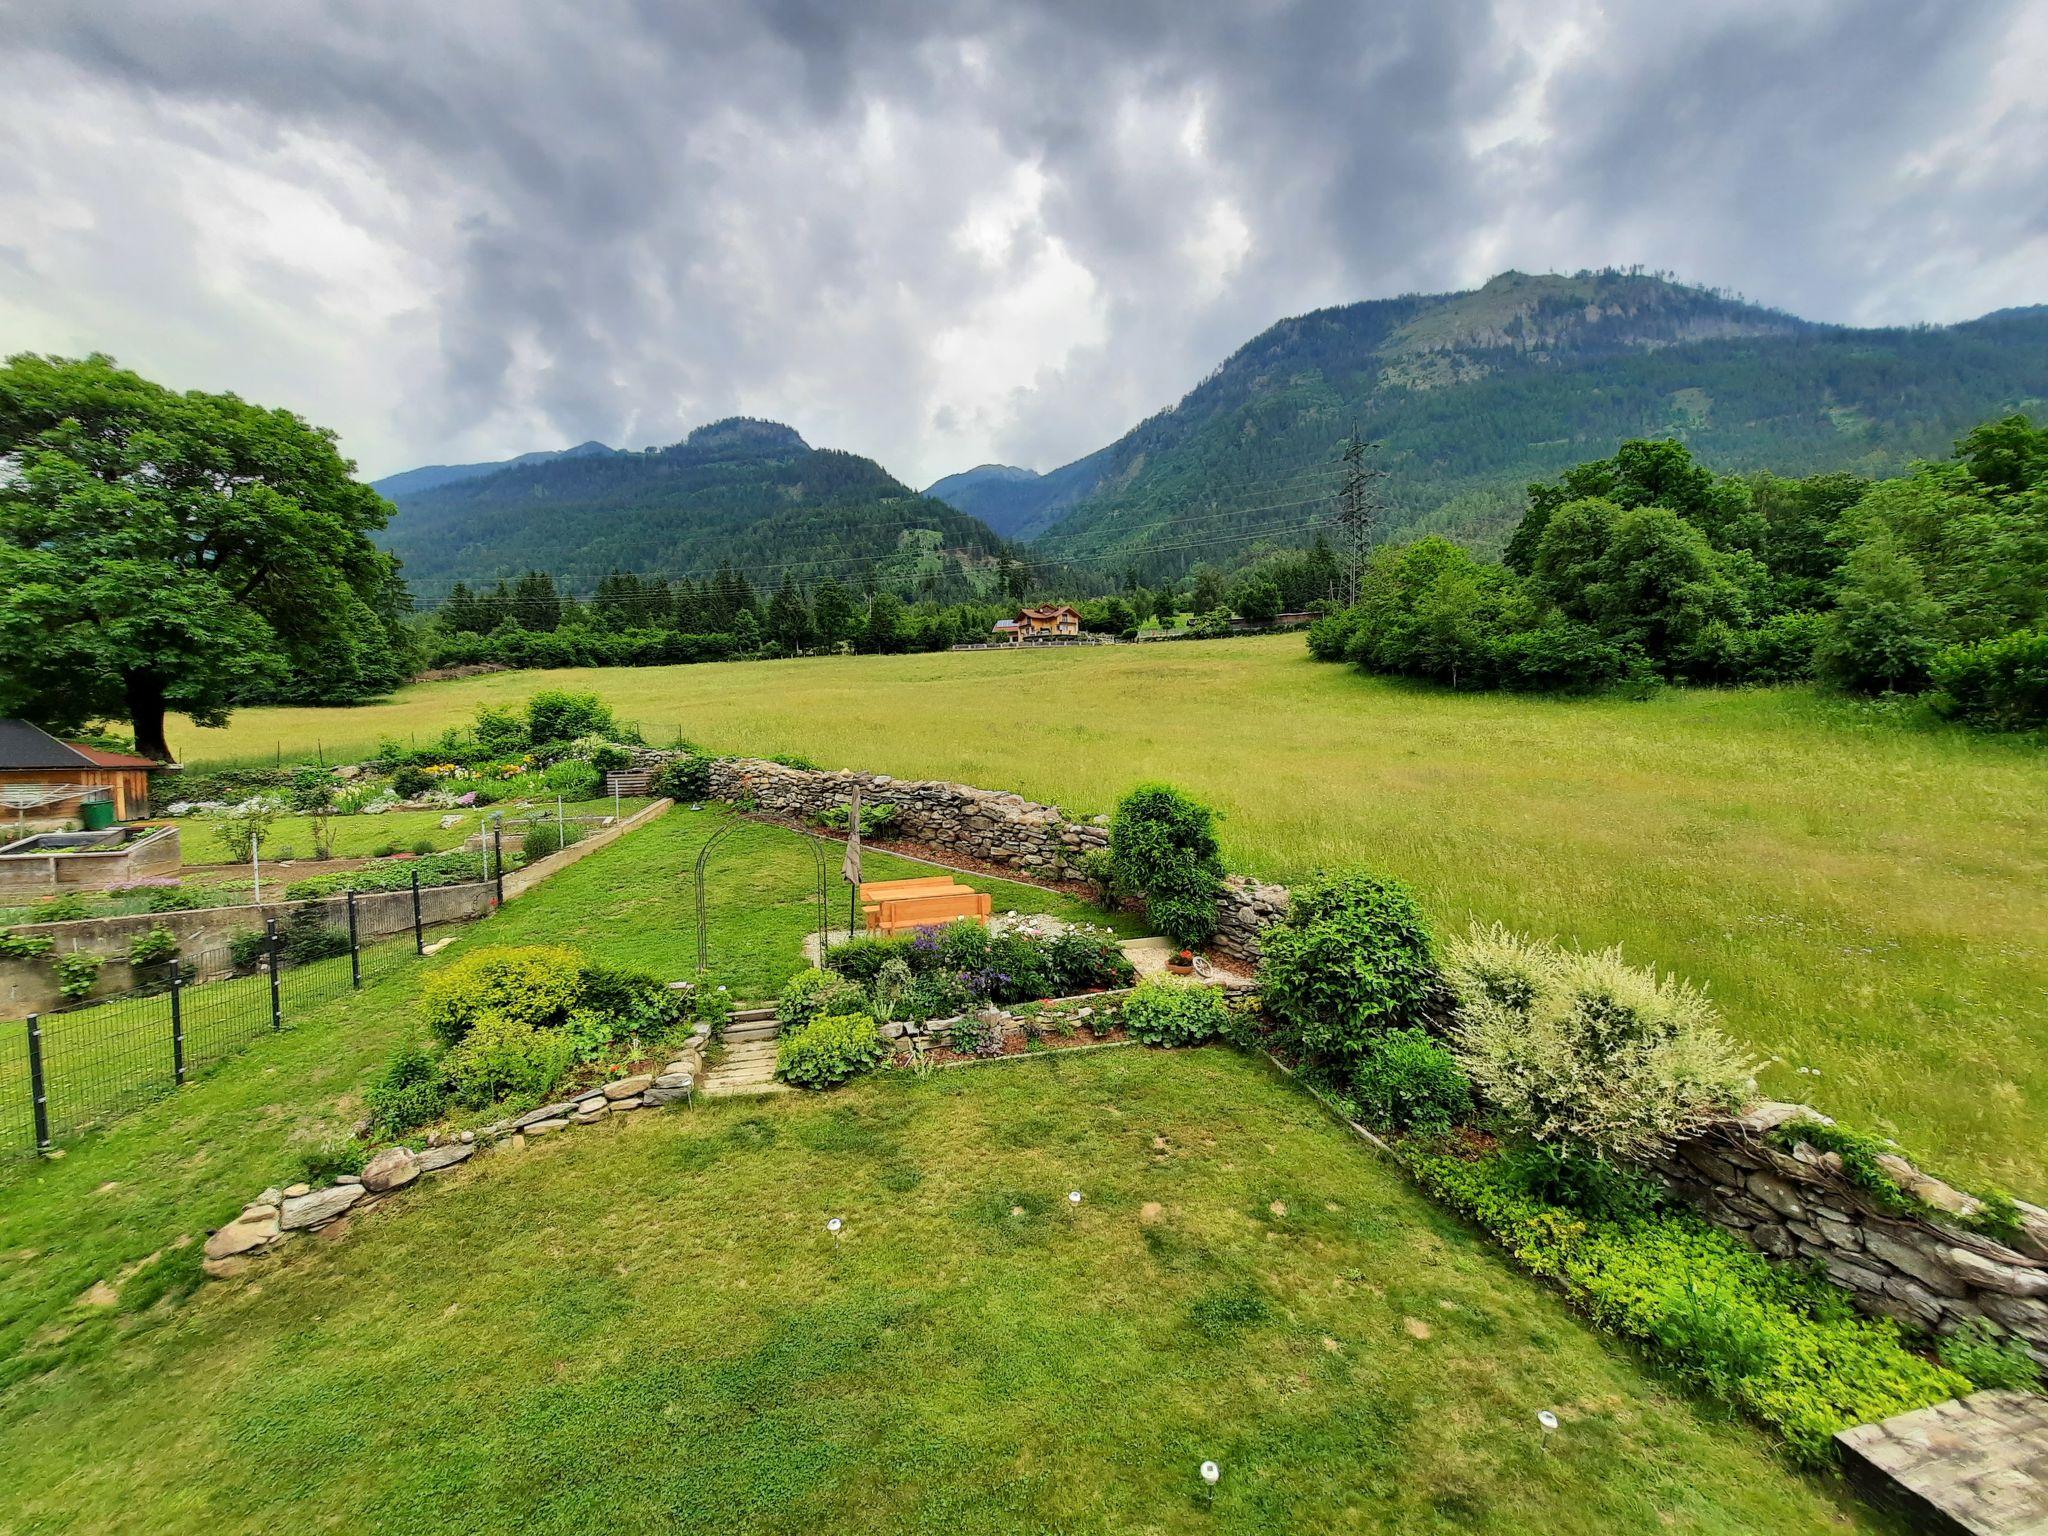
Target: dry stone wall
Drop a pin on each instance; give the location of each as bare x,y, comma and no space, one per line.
1245,911
1797,1204
1036,840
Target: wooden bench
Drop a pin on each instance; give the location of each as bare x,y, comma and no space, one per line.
907,912
875,892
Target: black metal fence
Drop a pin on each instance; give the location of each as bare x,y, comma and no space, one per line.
69,1069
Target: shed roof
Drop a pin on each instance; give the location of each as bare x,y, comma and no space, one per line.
26,746
100,758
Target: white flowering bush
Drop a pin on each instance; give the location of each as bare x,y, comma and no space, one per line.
1586,1050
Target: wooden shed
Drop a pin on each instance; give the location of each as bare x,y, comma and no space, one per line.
43,778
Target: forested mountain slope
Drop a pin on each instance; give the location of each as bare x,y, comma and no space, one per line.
750,493
1472,395
414,482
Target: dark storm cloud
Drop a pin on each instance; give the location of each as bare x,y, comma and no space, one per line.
947,234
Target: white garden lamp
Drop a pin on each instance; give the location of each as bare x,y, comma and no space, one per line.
1211,1476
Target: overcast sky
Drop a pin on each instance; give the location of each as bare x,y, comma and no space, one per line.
943,235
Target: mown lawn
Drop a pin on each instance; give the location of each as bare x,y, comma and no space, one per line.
185,1162
361,837
647,1327
1865,900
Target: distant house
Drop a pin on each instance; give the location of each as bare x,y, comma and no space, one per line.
1004,629
1037,623
48,779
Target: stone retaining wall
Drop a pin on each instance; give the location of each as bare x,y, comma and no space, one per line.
1036,840
1798,1205
1247,909
278,1215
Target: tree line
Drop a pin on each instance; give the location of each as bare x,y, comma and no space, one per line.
1648,565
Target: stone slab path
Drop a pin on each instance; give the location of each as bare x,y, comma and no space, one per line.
747,1064
1977,1465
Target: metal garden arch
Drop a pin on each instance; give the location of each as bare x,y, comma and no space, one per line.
703,910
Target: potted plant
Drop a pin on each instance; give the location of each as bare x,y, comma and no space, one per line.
1181,962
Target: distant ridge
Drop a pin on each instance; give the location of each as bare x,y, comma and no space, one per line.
411,482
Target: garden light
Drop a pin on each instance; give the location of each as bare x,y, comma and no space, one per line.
1211,1473
1547,1419
1073,1197
832,1226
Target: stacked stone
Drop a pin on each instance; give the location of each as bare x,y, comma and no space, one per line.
1927,1272
1244,912
276,1216
982,824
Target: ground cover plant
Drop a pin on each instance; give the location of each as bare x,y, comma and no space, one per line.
1859,892
650,1320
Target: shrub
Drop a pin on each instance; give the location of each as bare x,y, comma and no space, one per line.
534,984
328,1161
606,758
173,899
78,973
1351,959
440,869
552,715
1583,1048
500,1056
547,837
154,947
422,846
25,946
811,994
306,936
1409,1082
684,779
1163,1011
830,1049
937,995
1081,958
1780,1344
247,949
574,780
1017,967
411,781
1994,1360
630,1002
312,789
877,818
1999,684
499,733
862,958
1163,847
891,986
407,1094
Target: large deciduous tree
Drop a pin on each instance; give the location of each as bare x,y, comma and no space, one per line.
165,551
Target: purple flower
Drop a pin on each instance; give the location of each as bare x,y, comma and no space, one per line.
466,799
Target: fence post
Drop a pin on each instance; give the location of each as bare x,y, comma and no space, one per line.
177,1027
276,998
419,931
355,948
498,860
39,1096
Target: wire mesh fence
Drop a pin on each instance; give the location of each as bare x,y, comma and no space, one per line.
68,1069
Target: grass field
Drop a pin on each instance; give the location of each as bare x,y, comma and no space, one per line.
1865,900
360,837
646,1327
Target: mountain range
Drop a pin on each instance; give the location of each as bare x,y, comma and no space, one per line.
1466,398
752,494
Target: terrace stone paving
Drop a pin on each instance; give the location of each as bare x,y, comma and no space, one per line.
1976,1466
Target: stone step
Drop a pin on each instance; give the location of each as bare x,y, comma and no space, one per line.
766,1031
751,1015
742,1090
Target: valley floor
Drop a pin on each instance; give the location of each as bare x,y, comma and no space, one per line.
1865,900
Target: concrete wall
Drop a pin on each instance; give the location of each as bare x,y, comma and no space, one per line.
1796,1204
30,875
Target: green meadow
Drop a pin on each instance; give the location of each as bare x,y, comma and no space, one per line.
1864,898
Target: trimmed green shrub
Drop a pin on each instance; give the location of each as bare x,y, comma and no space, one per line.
1994,1360
407,1094
1165,1011
153,947
1780,1344
1407,1081
830,1049
1583,1048
1351,959
1163,846
684,779
534,984
631,1002
410,782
